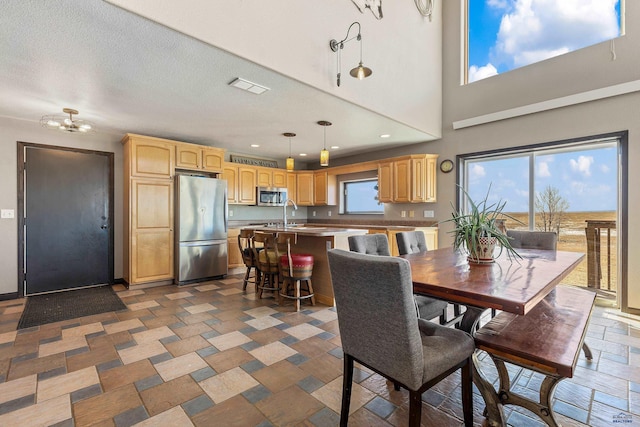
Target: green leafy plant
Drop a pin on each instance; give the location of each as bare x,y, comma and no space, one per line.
484,219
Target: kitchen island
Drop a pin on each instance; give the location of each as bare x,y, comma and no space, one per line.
315,241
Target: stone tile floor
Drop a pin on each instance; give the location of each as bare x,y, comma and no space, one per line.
209,354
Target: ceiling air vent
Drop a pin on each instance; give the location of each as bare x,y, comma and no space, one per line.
248,86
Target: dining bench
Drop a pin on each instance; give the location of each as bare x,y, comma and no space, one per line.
547,340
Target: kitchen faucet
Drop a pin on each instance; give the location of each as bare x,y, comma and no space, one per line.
284,209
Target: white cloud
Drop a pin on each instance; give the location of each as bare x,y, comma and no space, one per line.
543,170
582,165
534,30
498,4
479,73
477,171
604,168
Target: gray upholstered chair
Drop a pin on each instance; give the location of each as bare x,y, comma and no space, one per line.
411,242
522,239
372,244
379,329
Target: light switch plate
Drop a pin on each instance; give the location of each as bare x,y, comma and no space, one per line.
7,213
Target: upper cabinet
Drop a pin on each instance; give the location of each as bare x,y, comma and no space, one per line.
304,194
230,174
292,186
408,179
241,183
271,177
148,157
197,157
324,188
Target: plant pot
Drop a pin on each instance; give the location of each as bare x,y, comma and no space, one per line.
484,250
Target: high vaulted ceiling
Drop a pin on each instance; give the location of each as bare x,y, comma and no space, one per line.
130,74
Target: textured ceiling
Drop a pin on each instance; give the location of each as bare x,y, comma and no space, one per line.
128,74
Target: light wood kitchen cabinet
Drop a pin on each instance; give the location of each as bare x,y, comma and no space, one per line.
305,186
292,186
271,177
196,157
246,185
385,182
148,157
235,257
150,237
212,159
324,188
279,178
230,174
409,179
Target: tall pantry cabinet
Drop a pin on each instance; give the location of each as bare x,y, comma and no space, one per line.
148,205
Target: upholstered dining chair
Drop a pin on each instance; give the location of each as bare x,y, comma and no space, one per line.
379,329
543,240
411,242
373,244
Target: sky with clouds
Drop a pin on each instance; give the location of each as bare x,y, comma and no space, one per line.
587,179
507,34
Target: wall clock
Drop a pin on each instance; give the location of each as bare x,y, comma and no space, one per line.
446,166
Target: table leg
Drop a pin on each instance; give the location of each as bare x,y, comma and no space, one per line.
493,409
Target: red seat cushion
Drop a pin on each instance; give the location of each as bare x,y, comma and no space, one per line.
299,260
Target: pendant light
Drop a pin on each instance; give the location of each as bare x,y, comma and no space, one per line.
324,154
360,72
290,161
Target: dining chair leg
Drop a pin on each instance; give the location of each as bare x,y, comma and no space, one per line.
246,279
467,393
346,390
415,408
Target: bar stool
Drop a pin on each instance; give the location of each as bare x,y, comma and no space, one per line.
244,244
295,269
267,263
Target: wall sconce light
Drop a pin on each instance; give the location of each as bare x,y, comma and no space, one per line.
324,154
290,161
359,72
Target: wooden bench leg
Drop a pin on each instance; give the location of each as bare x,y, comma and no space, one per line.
587,351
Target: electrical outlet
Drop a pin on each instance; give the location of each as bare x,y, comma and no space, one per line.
313,213
412,214
428,214
7,213
293,213
329,213
230,212
403,214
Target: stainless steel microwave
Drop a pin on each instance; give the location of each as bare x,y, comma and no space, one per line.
271,196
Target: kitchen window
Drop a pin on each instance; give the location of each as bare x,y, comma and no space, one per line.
361,197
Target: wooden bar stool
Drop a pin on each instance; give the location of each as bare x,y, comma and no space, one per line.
267,263
249,259
295,269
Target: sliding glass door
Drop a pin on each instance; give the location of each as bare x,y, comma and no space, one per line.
571,188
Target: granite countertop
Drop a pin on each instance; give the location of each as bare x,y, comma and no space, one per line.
386,225
311,231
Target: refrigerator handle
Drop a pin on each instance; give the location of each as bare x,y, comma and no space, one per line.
226,210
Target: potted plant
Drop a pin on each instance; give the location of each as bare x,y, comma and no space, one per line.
481,229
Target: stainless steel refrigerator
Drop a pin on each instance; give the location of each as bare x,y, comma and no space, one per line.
201,240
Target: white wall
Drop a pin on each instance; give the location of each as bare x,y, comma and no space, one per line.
292,38
12,131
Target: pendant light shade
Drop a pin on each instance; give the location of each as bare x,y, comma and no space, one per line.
290,161
324,153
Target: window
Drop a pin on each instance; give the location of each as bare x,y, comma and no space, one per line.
506,34
571,188
361,197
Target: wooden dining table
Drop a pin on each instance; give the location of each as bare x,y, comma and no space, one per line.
514,285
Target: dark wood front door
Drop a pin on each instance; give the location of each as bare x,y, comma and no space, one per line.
67,209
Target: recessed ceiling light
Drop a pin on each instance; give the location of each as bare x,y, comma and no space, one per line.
303,154
249,86
255,145
385,135
334,147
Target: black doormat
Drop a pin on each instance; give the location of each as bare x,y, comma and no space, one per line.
55,307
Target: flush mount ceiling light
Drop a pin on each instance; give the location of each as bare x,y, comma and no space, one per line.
290,161
66,124
249,86
359,72
324,154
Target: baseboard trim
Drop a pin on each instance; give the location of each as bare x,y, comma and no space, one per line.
11,295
